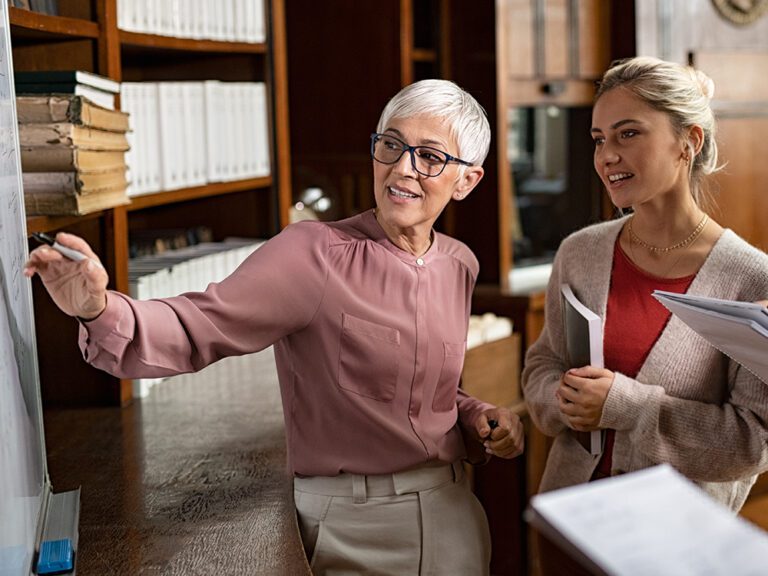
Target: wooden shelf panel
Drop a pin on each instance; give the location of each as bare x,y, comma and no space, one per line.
154,42
50,223
217,189
33,25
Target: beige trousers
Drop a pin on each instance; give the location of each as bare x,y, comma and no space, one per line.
418,522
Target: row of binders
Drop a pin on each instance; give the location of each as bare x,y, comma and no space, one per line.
188,269
223,20
191,133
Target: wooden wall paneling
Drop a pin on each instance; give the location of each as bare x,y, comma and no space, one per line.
735,77
741,106
555,34
741,199
593,28
518,20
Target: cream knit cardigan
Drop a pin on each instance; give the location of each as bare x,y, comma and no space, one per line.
689,406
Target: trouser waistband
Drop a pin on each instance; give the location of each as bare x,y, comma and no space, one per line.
363,486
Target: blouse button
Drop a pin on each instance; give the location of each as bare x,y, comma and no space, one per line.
420,261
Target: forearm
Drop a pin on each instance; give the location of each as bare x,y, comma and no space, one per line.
155,338
705,441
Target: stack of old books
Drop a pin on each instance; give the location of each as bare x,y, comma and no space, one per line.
72,154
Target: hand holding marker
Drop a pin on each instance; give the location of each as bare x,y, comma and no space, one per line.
63,250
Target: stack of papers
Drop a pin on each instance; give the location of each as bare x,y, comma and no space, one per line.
737,329
653,521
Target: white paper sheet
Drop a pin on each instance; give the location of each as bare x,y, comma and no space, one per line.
738,329
652,522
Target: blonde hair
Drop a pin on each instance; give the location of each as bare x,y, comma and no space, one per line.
684,95
467,120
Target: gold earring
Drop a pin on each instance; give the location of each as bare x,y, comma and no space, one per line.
686,159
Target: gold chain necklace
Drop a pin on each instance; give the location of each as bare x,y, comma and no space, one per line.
681,244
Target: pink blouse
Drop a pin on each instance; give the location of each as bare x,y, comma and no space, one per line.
369,342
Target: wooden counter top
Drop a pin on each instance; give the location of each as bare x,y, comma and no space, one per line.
190,480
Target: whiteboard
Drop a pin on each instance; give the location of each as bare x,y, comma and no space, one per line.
23,477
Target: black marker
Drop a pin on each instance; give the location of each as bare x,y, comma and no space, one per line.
63,250
492,424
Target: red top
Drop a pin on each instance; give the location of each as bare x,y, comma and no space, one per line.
634,320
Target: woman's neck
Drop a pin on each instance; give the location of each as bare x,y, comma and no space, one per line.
413,241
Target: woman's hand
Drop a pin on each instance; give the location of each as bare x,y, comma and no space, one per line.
501,432
581,395
78,288
763,303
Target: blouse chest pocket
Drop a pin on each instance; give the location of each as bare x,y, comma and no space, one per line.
448,382
368,358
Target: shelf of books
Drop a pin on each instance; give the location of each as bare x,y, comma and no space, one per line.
151,121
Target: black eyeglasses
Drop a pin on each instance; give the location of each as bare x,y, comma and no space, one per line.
426,160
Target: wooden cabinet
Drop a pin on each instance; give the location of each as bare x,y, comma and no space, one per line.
550,50
86,37
549,53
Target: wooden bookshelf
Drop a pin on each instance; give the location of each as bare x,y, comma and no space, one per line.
29,25
155,42
86,37
207,191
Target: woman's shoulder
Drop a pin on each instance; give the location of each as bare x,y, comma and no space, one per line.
457,250
737,267
353,228
732,242
305,231
735,251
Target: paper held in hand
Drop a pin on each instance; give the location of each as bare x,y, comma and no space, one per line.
653,521
584,346
738,329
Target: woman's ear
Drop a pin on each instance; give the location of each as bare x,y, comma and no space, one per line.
467,181
696,138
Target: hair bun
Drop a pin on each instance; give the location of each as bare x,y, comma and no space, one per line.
706,85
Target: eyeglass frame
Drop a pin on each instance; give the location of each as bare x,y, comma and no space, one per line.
375,136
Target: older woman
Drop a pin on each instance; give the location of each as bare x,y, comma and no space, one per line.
665,395
368,317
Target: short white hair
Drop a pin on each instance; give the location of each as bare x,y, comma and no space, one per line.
467,120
